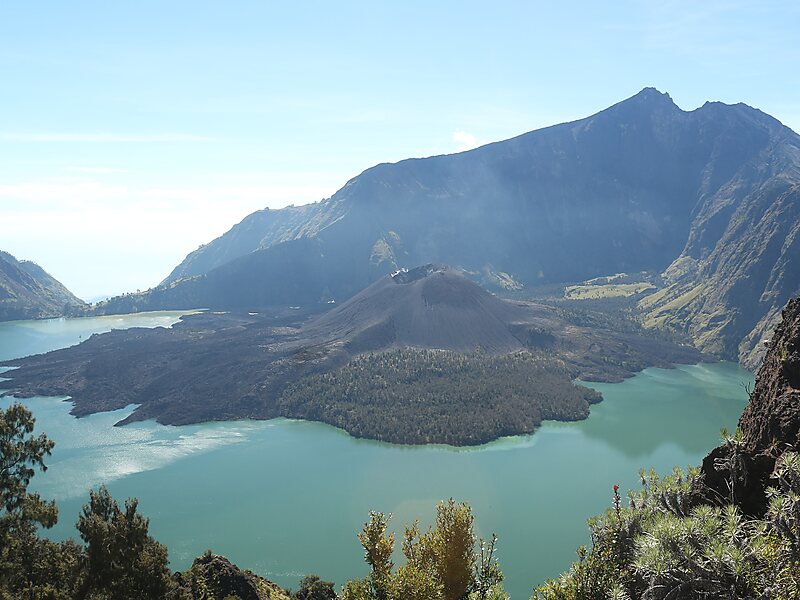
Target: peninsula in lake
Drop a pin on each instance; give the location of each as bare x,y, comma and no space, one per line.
420,356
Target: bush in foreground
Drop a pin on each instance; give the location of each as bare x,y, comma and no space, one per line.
669,544
441,563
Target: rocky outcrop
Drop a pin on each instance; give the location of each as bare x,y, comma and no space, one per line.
213,577
741,469
771,421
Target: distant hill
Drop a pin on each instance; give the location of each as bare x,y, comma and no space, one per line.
423,355
28,292
707,197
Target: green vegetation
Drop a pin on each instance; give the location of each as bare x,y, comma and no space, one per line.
119,561
313,588
382,253
441,563
501,279
415,396
670,543
609,290
29,565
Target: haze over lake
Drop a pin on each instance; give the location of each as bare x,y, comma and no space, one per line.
285,498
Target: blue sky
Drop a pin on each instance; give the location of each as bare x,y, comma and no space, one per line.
131,132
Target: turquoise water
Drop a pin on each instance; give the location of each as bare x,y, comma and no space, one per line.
23,338
285,498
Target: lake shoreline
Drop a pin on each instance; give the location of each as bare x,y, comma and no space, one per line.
226,366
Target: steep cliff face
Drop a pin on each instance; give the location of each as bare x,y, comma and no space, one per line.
28,292
727,293
771,421
741,261
769,426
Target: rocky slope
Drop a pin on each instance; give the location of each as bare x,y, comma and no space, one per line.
727,293
214,577
229,366
28,292
769,426
771,420
709,197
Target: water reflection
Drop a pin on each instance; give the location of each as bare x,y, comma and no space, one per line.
684,407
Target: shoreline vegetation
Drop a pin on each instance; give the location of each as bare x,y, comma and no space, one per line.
421,396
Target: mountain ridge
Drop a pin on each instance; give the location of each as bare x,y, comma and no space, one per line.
640,186
28,292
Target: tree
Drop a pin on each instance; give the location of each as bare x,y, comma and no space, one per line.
123,561
28,564
453,544
20,455
441,563
313,588
378,548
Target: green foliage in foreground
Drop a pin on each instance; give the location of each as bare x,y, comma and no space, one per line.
417,396
441,563
665,543
313,588
119,561
666,546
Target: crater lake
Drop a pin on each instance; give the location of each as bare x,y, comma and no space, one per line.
287,498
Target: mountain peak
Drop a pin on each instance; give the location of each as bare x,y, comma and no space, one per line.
652,97
651,93
409,276
747,112
645,102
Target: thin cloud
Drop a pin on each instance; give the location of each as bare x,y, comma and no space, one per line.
103,138
465,141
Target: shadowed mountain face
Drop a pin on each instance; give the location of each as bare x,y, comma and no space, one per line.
707,196
28,292
406,333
